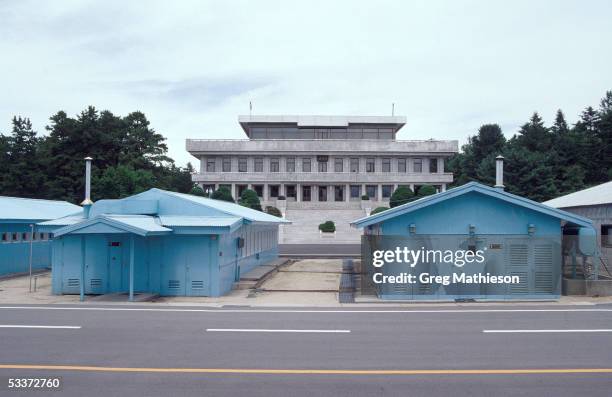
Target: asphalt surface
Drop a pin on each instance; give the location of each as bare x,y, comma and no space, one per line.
382,339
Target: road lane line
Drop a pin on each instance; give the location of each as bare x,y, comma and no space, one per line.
535,331
526,371
220,310
314,331
41,326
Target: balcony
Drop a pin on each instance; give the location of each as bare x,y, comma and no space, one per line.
318,146
323,177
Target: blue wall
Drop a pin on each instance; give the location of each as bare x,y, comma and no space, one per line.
15,256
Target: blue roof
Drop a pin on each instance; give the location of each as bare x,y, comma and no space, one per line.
142,225
25,209
229,208
199,221
472,187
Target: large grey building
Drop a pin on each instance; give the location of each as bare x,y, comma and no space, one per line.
321,159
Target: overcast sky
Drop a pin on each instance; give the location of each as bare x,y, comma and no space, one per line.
193,66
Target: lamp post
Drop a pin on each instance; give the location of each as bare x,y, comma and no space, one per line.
31,242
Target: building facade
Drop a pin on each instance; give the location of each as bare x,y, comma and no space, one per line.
20,239
321,159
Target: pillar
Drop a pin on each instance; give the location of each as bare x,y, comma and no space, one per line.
379,193
347,192
266,193
233,190
132,248
298,192
440,165
443,188
82,275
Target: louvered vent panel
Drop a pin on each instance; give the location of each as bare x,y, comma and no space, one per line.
174,284
519,255
523,286
197,284
95,283
543,255
73,283
543,282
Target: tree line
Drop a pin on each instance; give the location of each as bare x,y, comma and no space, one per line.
542,162
129,157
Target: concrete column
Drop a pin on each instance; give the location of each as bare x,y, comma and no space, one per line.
425,165
379,192
347,192
412,187
363,190
443,188
298,192
233,190
440,165
266,193
281,190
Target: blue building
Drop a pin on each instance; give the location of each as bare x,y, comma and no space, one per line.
17,216
517,237
160,242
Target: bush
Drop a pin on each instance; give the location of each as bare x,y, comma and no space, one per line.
378,209
426,190
197,191
223,193
273,211
401,195
249,199
365,197
327,227
280,198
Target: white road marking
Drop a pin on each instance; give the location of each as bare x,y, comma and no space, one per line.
313,331
336,311
535,331
41,326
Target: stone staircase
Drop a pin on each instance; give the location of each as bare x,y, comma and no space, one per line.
305,226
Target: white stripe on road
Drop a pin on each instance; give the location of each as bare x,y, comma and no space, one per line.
222,310
41,326
314,331
535,331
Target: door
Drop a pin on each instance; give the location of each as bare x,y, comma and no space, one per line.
117,269
96,269
197,266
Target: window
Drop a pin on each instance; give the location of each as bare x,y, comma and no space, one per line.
418,165
386,164
274,164
5,237
355,191
354,164
274,190
259,190
306,166
322,166
371,191
386,191
291,191
606,235
210,165
258,164
370,165
226,165
306,193
433,166
25,236
242,164
338,164
339,193
322,193
290,164
401,165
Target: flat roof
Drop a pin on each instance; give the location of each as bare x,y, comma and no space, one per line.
320,121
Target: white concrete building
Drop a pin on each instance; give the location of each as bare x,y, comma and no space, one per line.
321,159
299,163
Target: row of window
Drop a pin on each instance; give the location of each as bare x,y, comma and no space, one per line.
321,193
322,161
16,237
320,133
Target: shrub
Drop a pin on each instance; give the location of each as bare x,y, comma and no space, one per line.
273,211
401,195
378,209
365,197
327,227
280,198
223,193
249,199
197,191
426,190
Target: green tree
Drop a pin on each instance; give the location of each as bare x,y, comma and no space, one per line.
223,193
534,136
378,210
22,175
274,211
197,191
401,195
426,190
122,181
249,199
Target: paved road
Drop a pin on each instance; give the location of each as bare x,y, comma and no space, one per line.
386,339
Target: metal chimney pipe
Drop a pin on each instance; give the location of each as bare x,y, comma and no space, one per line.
87,200
499,172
